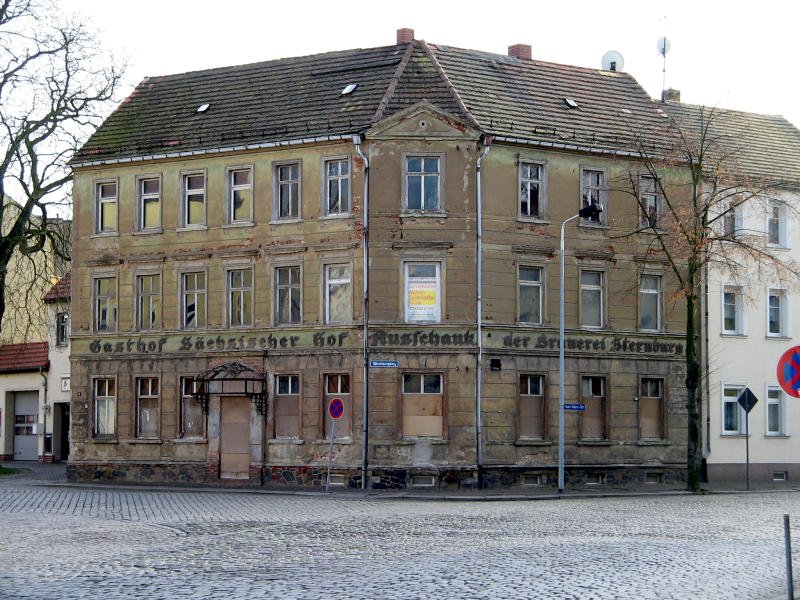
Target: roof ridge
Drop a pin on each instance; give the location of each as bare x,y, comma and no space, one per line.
451,88
398,72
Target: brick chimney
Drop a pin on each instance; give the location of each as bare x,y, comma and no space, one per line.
405,36
522,51
671,95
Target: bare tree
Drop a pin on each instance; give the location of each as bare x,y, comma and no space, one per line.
54,85
691,192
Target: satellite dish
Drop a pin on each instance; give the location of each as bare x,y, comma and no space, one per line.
612,61
663,46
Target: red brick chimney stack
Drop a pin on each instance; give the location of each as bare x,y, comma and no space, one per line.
405,36
521,51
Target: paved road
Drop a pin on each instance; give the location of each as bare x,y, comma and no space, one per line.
79,542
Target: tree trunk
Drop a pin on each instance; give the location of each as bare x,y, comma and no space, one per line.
694,444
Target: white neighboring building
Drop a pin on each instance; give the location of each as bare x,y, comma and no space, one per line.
753,318
56,406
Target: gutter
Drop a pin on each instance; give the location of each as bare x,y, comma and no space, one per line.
479,309
365,245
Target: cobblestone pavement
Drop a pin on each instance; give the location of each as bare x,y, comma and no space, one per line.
80,542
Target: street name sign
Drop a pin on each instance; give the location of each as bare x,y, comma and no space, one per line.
384,364
574,406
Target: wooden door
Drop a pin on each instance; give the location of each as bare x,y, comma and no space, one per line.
235,438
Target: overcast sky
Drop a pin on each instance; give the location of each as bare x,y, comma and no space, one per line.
733,55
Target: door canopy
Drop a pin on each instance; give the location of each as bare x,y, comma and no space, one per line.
232,379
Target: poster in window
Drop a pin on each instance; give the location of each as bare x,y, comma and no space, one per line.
423,299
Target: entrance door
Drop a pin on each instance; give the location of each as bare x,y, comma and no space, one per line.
235,438
26,413
61,445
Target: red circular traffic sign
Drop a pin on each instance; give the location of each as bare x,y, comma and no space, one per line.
789,372
336,408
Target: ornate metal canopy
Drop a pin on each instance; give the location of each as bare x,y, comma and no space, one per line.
232,379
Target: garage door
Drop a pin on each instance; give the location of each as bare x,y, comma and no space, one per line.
26,414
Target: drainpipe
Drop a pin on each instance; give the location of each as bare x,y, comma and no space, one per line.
44,416
479,310
365,246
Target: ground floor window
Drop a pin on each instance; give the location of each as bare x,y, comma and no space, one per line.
147,407
105,406
193,421
593,419
531,407
423,405
337,385
733,415
776,421
287,406
651,409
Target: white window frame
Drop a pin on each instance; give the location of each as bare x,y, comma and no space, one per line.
110,302
594,190
651,202
101,203
199,294
187,384
150,395
330,283
279,287
62,328
732,217
422,377
527,396
525,283
186,193
142,198
782,312
525,182
292,183
154,297
776,396
109,428
243,319
233,188
644,292
592,288
438,174
741,414
776,214
338,180
434,314
738,309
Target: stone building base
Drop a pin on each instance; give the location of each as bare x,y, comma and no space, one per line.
385,478
764,473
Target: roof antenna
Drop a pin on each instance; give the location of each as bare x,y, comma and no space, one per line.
663,47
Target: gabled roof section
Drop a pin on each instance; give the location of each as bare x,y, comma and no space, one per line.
763,147
261,103
61,291
530,100
21,358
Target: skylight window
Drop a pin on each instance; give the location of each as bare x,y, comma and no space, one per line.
203,108
570,102
349,89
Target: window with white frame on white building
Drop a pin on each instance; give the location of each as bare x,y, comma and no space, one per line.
338,294
532,200
337,186
650,302
731,217
776,412
733,415
776,313
62,328
732,315
776,223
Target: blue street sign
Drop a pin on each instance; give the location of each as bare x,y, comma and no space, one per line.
574,407
384,364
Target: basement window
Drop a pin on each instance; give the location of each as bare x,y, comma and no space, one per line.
780,476
420,481
532,479
595,478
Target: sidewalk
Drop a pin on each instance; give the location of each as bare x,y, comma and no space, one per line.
55,474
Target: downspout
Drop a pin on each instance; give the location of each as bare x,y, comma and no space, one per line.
44,418
479,310
706,404
365,276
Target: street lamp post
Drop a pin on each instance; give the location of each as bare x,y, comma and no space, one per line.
585,213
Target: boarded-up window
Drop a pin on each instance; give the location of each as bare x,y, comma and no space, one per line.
287,406
651,409
337,385
423,405
193,421
531,407
593,419
147,407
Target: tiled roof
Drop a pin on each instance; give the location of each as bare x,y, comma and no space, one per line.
18,358
61,291
757,146
300,98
